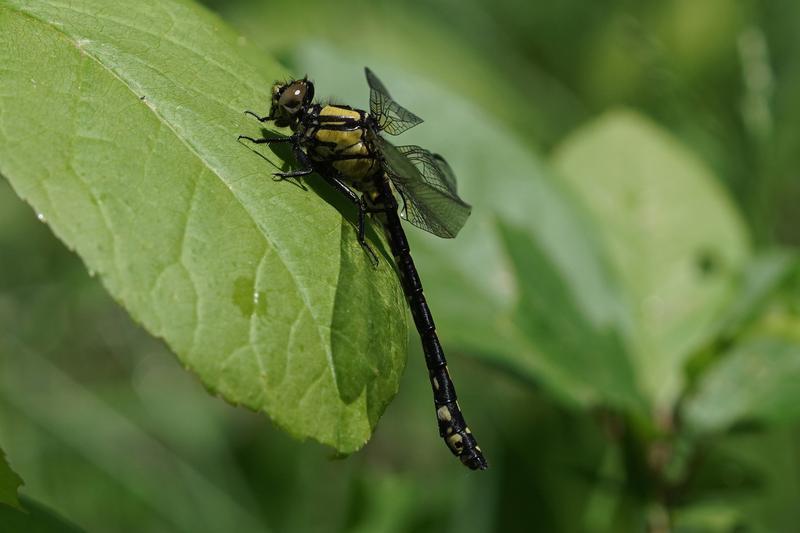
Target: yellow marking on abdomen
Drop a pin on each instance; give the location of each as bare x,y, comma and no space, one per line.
456,442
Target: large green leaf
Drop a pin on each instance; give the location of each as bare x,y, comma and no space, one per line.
9,483
118,124
675,240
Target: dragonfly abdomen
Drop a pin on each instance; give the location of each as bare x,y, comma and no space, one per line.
452,426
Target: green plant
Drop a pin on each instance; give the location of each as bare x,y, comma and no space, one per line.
631,326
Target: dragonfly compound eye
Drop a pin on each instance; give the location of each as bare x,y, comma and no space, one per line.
293,96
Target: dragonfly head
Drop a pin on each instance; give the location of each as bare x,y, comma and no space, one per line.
290,100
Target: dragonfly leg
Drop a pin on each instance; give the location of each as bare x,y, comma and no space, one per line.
359,204
267,140
260,119
302,158
280,176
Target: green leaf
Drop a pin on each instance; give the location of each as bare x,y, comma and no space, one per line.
118,124
9,483
592,355
470,283
674,238
755,382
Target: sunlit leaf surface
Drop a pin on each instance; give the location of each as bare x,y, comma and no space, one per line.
118,124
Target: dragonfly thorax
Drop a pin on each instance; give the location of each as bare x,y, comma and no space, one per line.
340,137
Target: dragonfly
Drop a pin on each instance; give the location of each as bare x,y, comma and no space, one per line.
345,146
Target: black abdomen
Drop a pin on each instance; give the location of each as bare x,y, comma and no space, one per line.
452,426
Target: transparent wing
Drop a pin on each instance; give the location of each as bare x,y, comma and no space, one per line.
432,166
428,188
392,118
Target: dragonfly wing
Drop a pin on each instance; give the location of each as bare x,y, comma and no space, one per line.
392,118
433,167
427,185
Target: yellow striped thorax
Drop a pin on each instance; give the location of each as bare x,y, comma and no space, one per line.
340,137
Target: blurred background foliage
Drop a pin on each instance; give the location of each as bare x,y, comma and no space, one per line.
622,311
